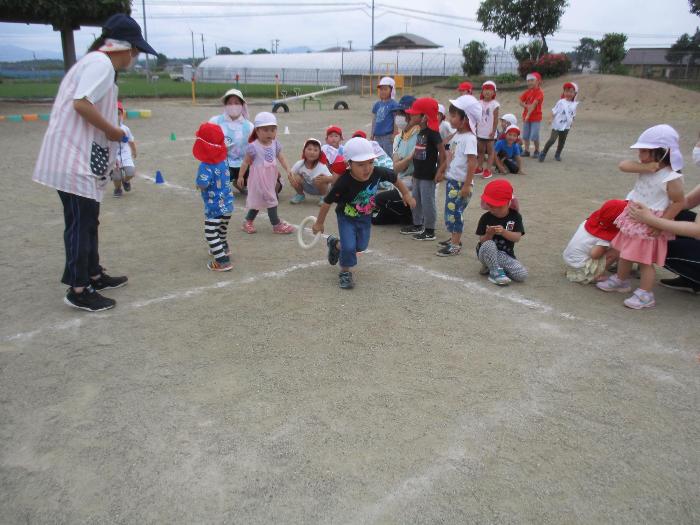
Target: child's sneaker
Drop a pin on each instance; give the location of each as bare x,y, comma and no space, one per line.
446,242
297,199
542,156
478,170
117,192
345,280
127,185
216,266
536,154
88,300
321,201
557,158
499,277
411,230
486,174
248,227
105,282
640,299
333,251
614,284
425,235
525,154
449,250
484,270
283,228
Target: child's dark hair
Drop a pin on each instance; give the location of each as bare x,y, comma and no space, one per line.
98,43
454,110
662,156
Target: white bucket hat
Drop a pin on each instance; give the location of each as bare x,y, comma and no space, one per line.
471,107
388,81
358,149
510,119
264,118
441,109
236,93
662,136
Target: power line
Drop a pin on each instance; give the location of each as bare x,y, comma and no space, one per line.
172,16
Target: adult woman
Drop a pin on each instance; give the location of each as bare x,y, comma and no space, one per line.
79,150
237,128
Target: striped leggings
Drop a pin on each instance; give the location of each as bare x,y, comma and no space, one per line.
493,258
215,230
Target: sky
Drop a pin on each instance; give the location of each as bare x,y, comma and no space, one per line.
171,23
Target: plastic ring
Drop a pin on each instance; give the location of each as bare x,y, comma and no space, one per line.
306,223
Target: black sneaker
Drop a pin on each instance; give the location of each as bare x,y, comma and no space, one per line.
424,236
449,250
557,158
345,280
127,185
105,282
411,230
681,283
333,251
525,154
447,242
88,300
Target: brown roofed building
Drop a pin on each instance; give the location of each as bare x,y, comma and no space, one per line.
405,41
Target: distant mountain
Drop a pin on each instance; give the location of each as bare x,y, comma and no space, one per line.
299,49
11,53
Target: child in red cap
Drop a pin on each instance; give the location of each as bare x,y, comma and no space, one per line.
531,101
215,184
310,174
498,230
465,88
487,127
589,253
562,118
429,163
333,150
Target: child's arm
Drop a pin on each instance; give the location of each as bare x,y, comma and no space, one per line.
374,119
89,112
598,251
322,212
632,166
674,189
406,196
519,161
442,162
132,147
499,164
283,161
468,185
240,181
509,236
495,123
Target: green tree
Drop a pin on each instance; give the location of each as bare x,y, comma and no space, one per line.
513,18
686,47
259,51
161,60
694,7
63,16
530,51
475,56
585,52
223,50
612,51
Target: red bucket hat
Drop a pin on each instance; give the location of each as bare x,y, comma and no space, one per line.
429,107
209,146
497,193
601,223
465,87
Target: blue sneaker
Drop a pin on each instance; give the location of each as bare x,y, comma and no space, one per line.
297,199
499,277
333,251
345,280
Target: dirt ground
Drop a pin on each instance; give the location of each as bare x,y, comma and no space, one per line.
268,395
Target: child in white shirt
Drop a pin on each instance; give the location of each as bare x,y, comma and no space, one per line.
486,128
310,174
563,115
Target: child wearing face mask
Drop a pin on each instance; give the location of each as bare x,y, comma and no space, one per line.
237,128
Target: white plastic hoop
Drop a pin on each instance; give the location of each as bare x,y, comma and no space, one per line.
307,223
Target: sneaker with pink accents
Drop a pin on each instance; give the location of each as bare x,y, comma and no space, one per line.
614,284
248,227
486,174
640,299
283,228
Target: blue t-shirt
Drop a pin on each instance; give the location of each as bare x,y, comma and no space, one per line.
508,151
384,120
217,196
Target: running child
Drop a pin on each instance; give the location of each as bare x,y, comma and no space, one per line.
310,174
333,150
214,182
531,101
262,154
659,186
487,127
563,115
124,169
588,253
464,114
383,110
498,230
354,192
429,164
508,153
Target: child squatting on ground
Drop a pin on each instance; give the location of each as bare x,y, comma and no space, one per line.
588,253
498,230
531,101
464,113
125,169
354,192
333,150
262,154
310,174
562,118
508,152
214,182
659,186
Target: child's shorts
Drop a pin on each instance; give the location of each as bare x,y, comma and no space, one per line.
593,269
531,131
309,188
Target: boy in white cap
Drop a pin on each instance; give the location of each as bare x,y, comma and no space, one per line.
383,119
563,115
355,192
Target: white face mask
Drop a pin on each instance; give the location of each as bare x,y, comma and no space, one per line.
400,121
234,110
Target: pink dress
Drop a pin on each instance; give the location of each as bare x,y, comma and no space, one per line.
262,177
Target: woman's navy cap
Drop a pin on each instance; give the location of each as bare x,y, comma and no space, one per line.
123,27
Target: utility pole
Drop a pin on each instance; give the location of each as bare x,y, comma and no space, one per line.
145,37
203,54
192,32
277,45
272,46
371,56
216,49
349,45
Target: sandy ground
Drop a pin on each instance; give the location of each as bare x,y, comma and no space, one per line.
268,395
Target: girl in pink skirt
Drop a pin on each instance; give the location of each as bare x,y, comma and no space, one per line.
659,186
262,154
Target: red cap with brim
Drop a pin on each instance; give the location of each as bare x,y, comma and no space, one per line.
359,133
466,86
334,129
209,145
497,193
429,107
601,223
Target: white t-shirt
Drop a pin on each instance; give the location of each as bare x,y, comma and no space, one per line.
446,130
696,156
563,114
578,251
124,157
650,189
484,127
461,145
75,157
309,174
331,152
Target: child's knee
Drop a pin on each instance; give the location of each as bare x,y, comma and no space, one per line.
519,276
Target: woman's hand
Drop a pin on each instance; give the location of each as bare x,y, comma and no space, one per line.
639,212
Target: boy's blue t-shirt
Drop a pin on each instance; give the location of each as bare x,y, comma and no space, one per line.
384,120
217,196
509,151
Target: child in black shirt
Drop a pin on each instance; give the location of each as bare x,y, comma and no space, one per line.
499,229
354,192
